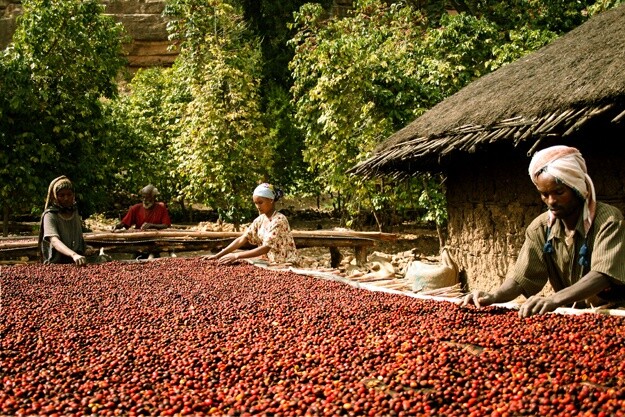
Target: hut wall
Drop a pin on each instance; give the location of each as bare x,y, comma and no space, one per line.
491,201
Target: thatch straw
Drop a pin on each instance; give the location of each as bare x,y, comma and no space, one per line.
551,92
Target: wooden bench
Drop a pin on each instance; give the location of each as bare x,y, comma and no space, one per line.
173,241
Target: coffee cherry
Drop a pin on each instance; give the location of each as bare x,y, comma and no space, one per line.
185,336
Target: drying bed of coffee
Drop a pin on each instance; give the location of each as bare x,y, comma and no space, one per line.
191,337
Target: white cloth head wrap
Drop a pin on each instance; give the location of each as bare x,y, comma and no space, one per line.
568,166
265,190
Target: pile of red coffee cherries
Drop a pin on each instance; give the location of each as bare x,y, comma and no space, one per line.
190,337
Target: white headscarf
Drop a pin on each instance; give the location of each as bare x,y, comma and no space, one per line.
567,165
265,190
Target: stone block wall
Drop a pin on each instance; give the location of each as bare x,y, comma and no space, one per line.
142,19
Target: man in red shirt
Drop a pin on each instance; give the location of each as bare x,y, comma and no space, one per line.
146,215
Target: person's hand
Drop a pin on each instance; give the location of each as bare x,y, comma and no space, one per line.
210,257
78,259
479,299
537,305
229,258
146,226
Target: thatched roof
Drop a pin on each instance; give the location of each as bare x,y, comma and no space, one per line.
552,92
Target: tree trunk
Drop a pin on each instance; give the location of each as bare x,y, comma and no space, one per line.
5,220
439,230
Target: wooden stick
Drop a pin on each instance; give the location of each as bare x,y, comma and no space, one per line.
190,234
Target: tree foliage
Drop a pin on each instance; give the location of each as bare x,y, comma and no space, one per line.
149,114
353,79
63,60
231,112
222,151
269,20
360,78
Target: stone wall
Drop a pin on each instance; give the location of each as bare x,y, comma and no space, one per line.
146,26
142,20
9,9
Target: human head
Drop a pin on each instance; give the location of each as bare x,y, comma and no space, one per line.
148,195
567,166
268,191
265,197
58,195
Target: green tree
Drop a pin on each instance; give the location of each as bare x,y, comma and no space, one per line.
150,112
223,149
603,5
359,79
356,80
63,60
269,20
551,15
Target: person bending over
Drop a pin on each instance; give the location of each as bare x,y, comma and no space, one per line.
269,232
578,245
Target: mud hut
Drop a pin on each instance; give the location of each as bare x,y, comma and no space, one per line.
571,92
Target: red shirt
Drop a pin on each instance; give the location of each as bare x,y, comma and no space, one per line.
138,215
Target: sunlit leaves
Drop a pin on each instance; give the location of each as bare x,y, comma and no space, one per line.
355,83
360,78
150,113
222,151
64,58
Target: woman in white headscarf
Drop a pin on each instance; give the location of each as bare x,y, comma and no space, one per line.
60,233
269,232
578,245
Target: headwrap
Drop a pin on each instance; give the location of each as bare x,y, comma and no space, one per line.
265,190
567,165
57,184
268,191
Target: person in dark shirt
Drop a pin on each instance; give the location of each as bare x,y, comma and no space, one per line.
60,234
578,245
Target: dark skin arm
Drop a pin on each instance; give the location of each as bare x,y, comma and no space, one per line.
62,248
590,284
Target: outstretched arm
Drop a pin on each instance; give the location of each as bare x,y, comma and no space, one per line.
62,248
234,245
252,253
590,284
